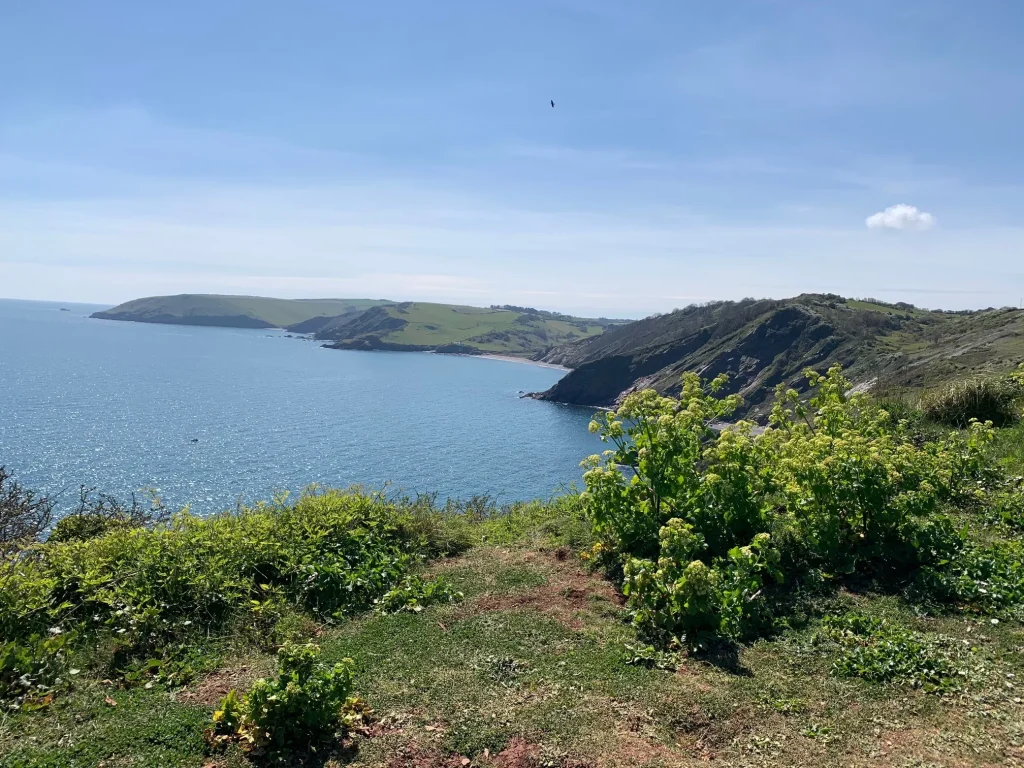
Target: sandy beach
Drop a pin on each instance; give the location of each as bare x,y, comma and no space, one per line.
511,359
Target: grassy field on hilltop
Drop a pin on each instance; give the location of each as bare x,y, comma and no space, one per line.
888,309
429,326
845,589
373,324
759,343
211,309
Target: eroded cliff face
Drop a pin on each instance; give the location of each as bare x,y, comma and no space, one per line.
759,344
375,321
762,343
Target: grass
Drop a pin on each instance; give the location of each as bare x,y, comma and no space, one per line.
936,348
533,663
530,669
426,324
885,308
490,330
1009,448
95,725
983,399
273,312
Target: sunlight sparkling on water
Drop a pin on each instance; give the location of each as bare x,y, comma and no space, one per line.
212,415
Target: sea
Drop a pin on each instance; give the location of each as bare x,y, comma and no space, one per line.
211,418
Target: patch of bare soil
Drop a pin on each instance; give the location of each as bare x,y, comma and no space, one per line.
418,756
924,746
632,749
518,754
524,754
209,690
570,590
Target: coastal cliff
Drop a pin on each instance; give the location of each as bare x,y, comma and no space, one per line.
761,344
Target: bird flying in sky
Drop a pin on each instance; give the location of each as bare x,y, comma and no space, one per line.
552,103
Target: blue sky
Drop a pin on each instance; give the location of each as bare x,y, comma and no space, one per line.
408,150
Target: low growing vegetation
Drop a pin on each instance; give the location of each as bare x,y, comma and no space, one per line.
845,587
140,601
715,532
298,710
878,650
996,400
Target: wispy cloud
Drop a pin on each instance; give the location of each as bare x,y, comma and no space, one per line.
629,232
901,216
416,241
129,139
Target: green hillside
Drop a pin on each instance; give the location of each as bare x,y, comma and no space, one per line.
761,343
232,311
456,328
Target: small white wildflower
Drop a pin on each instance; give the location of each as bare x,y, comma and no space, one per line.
995,621
56,631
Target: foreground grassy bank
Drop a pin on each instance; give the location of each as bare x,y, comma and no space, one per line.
537,666
886,633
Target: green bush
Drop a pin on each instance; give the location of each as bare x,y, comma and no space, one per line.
24,516
705,523
227,718
82,527
981,399
99,513
900,408
32,670
987,578
149,591
879,651
681,596
415,593
1007,505
297,710
445,531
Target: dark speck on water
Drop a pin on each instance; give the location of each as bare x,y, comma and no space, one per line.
111,404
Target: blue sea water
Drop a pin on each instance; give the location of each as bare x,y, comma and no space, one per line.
211,416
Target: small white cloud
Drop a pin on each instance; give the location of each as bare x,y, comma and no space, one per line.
900,216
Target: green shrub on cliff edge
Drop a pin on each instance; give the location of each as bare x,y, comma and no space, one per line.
144,599
706,525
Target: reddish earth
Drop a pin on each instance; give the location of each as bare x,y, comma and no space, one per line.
215,686
569,591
